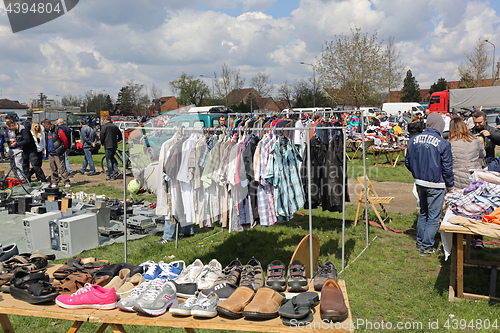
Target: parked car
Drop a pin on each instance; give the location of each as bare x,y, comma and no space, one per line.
153,141
393,121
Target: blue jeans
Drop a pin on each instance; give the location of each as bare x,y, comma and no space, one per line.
111,161
169,230
88,160
431,206
68,167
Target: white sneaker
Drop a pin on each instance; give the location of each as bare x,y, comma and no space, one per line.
191,272
128,303
206,307
209,274
184,309
158,298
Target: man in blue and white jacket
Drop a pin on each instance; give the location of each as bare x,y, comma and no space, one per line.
430,161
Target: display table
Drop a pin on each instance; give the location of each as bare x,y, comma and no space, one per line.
392,155
457,264
115,319
356,145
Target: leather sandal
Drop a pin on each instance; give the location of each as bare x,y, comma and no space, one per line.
33,288
72,283
71,266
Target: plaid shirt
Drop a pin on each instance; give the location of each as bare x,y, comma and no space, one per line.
205,150
475,203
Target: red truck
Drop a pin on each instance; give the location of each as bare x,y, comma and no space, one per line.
447,100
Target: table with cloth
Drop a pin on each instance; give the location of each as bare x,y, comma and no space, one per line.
472,211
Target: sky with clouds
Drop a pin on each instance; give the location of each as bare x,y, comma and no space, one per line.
100,45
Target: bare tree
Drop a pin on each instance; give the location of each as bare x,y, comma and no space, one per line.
350,66
285,92
71,100
261,83
394,68
477,64
155,96
228,81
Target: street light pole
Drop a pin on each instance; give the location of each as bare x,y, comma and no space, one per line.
493,64
213,91
314,81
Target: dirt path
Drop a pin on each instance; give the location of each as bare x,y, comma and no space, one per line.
404,202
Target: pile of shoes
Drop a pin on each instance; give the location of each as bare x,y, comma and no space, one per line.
77,272
23,275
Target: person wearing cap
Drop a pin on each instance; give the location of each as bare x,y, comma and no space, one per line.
430,161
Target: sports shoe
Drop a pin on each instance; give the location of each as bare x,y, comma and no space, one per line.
429,252
161,241
297,280
184,309
186,290
89,297
227,283
171,270
191,272
128,303
206,307
276,272
231,273
252,275
153,270
209,275
156,300
323,273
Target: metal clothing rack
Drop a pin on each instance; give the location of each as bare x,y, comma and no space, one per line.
308,128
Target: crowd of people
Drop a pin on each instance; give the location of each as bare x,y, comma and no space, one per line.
51,141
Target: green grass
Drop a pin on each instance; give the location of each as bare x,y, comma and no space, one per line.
388,282
399,173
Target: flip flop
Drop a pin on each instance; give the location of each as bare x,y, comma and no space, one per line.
301,321
300,305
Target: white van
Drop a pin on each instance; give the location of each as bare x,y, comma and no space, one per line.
393,108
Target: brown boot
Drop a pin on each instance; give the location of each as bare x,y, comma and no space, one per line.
264,305
332,306
234,305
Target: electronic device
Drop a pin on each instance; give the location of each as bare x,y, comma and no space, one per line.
78,233
37,231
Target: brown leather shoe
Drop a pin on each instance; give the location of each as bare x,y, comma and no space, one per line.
332,306
234,305
264,305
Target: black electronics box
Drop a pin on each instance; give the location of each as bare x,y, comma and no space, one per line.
13,207
23,204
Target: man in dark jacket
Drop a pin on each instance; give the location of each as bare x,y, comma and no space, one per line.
23,140
110,136
57,144
89,139
430,161
489,136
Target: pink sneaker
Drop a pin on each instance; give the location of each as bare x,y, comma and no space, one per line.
89,297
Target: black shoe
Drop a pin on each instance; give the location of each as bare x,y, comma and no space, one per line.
110,178
117,175
161,241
